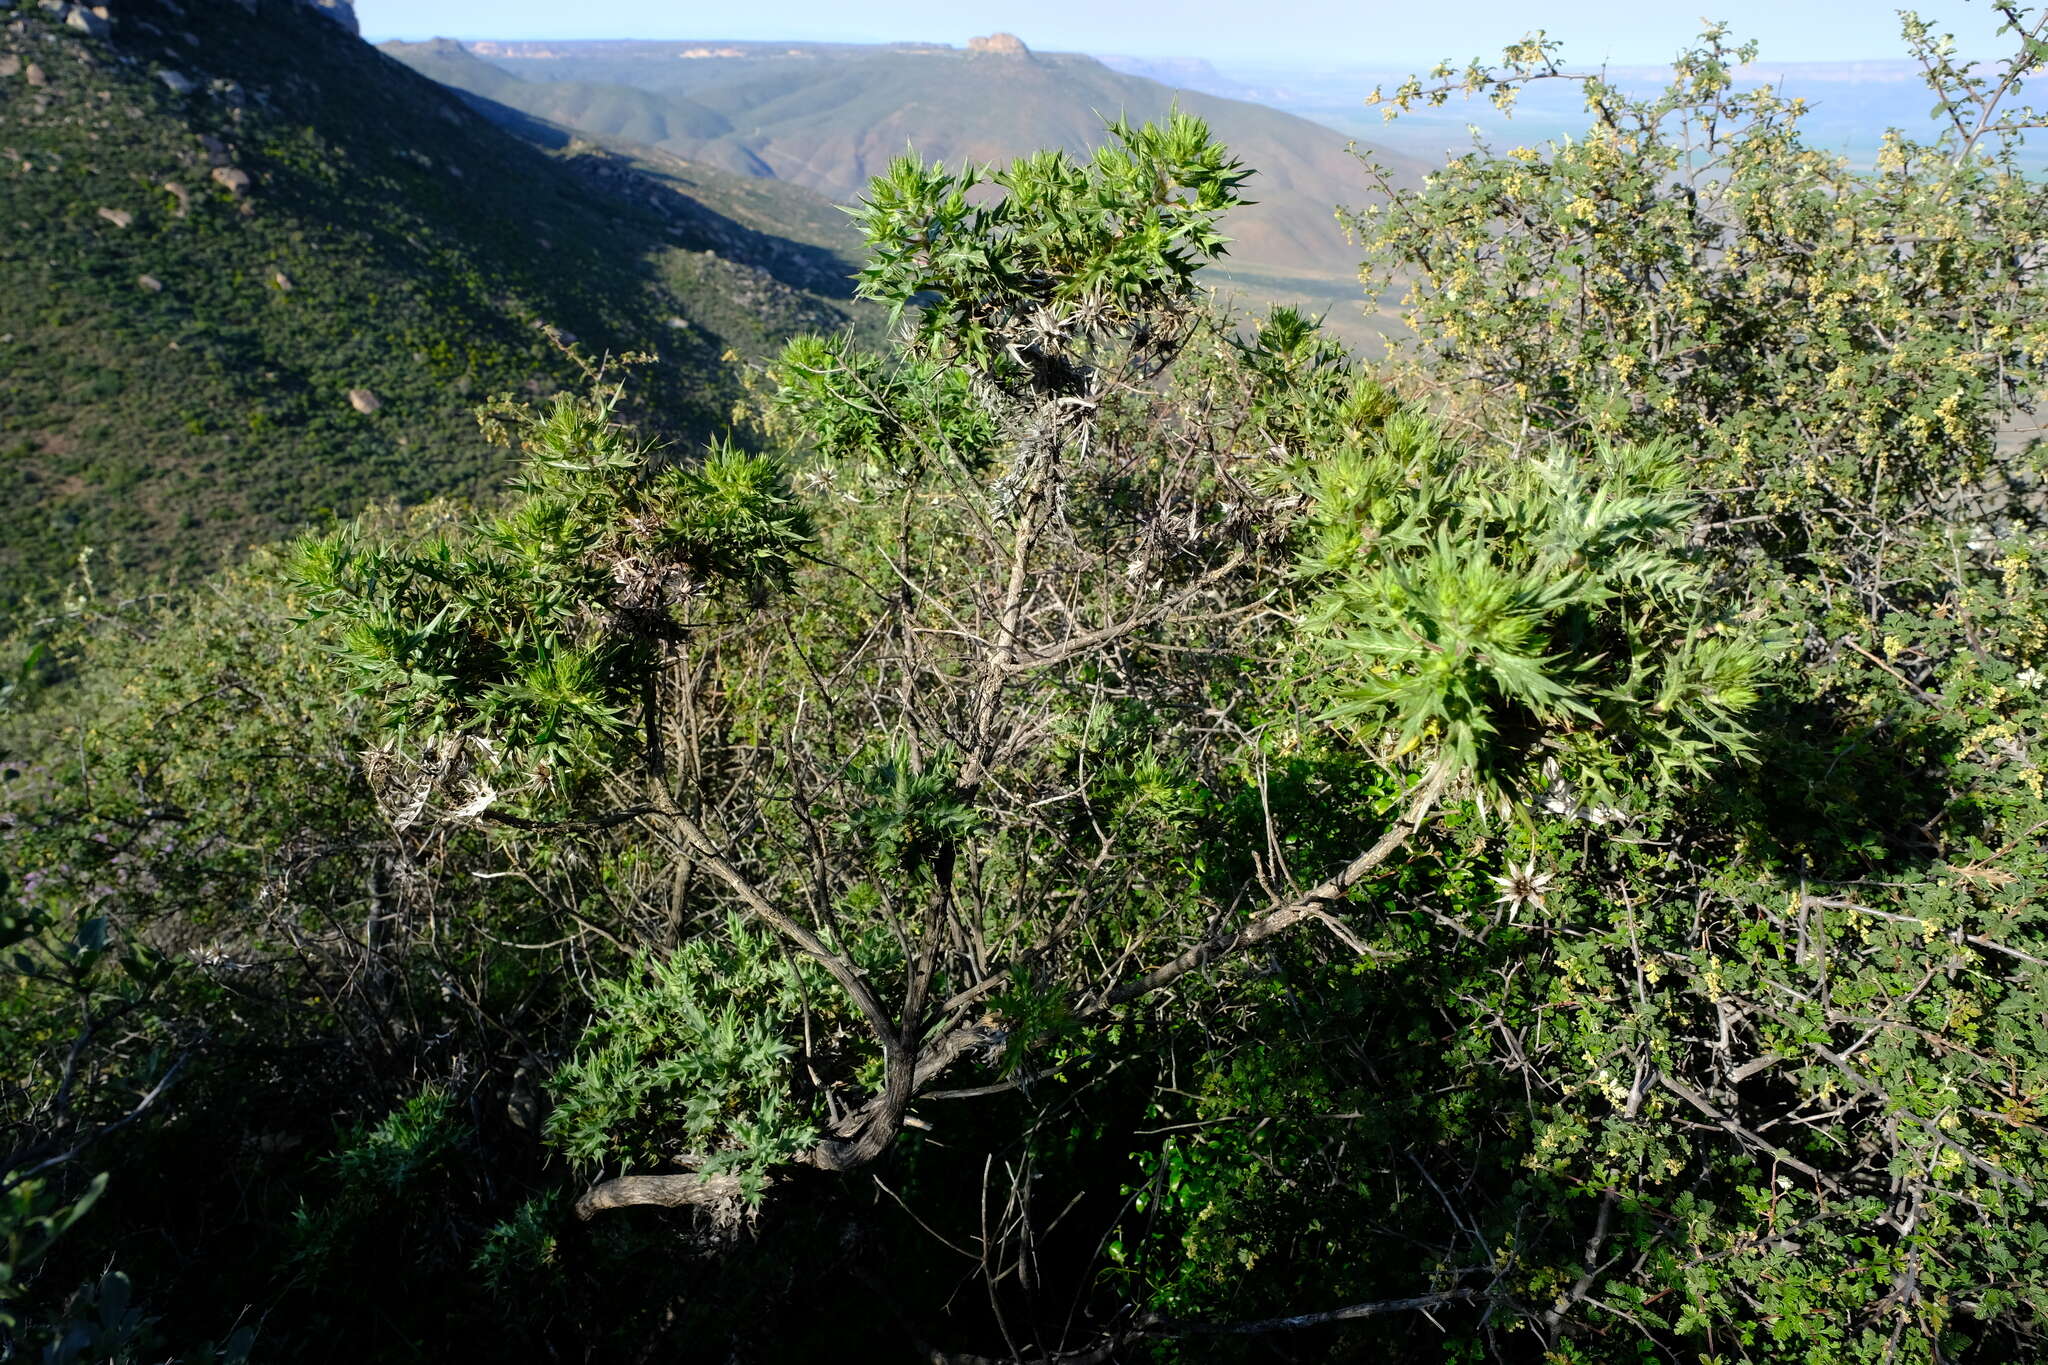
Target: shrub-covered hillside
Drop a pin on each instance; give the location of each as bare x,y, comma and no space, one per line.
222,221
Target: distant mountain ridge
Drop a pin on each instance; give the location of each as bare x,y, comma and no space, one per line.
1185,73
829,116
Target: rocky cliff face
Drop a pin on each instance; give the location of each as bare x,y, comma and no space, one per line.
1000,44
342,12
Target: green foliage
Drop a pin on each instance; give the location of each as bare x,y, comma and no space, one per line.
1759,1080
913,814
1029,816
534,629
24,676
520,1249
685,1055
1068,252
1303,388
184,771
1505,614
384,1160
1837,344
381,1174
731,519
855,407
144,776
66,971
996,788
32,1218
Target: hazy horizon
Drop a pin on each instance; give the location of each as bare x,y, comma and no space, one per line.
1302,34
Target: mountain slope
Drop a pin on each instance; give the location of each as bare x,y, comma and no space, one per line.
232,228
828,117
616,111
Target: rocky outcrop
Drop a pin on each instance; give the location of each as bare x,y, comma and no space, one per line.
342,12
91,20
93,23
1000,45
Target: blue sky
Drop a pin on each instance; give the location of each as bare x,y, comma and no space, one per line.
1328,33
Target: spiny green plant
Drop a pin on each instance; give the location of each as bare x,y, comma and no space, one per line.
1068,254
914,812
535,630
1503,615
883,419
685,1059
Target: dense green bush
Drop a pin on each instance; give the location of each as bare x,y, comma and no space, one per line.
1134,835
1055,843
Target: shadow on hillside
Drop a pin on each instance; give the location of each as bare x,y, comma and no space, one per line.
518,122
691,223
